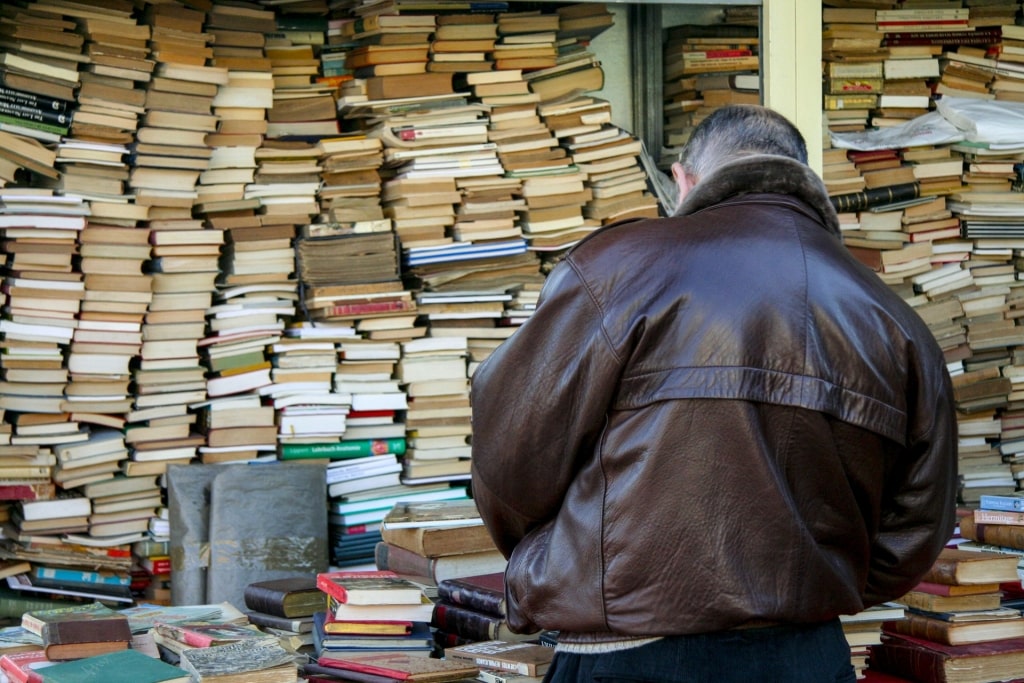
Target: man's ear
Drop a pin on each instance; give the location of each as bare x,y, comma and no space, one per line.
683,180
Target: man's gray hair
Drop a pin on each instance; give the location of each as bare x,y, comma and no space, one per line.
740,130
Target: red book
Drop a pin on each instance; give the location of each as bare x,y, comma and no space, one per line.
377,587
925,660
21,667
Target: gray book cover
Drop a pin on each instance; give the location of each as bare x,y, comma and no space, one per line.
188,501
266,521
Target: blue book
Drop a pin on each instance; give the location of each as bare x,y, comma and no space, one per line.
996,502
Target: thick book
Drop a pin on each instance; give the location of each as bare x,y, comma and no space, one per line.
81,623
965,566
437,541
949,603
953,632
372,587
287,597
471,624
437,569
480,592
125,666
919,659
528,659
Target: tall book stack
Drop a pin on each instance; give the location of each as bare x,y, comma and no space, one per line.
168,375
852,63
351,183
432,372
463,43
43,296
526,40
390,67
42,53
689,50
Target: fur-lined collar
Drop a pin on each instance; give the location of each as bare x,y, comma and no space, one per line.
763,173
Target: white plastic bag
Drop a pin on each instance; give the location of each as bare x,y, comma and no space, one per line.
928,129
987,121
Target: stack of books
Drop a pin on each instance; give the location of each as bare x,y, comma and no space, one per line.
954,618
285,608
437,540
864,629
371,611
432,372
78,632
471,609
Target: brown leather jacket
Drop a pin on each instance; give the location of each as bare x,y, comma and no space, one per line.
713,420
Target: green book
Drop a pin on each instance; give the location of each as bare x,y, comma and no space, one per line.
124,666
355,448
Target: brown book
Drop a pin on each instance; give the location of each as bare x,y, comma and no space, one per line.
1007,535
950,603
953,632
410,85
288,597
525,659
438,541
967,566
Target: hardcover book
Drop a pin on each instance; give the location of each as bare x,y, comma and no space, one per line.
295,596
919,659
481,592
966,566
527,659
438,513
369,588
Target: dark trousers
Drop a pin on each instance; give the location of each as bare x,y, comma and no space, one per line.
816,653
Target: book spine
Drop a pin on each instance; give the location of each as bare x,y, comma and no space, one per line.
265,600
1008,503
33,125
344,449
471,597
858,201
79,576
998,517
940,38
33,100
364,308
1008,535
919,626
908,660
402,561
464,622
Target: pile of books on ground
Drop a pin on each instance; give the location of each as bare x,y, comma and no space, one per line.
961,623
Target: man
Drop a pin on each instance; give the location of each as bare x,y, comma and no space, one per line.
717,433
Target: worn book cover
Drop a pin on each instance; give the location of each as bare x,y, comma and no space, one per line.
432,514
206,633
528,659
481,592
290,596
402,666
375,587
435,541
920,659
87,625
236,658
968,566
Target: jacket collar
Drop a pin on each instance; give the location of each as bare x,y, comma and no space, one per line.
763,173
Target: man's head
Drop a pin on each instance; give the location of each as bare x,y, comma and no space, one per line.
731,132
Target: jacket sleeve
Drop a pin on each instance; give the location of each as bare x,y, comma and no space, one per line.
918,513
539,405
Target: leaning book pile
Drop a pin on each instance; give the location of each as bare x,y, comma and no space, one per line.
956,628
